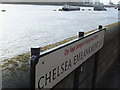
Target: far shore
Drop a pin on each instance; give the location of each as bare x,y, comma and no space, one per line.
56,3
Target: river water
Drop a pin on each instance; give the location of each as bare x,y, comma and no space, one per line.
26,26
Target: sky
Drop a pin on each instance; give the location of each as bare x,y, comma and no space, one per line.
107,1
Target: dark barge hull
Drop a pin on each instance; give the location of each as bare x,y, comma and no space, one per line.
70,9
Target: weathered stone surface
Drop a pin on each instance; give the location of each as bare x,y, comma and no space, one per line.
86,83
66,83
87,68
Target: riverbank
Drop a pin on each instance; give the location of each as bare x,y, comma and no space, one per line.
20,61
19,66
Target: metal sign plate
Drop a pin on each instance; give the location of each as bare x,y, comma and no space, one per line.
53,67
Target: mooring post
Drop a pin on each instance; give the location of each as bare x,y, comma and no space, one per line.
81,34
34,53
100,27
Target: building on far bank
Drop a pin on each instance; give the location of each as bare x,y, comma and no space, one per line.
54,2
96,2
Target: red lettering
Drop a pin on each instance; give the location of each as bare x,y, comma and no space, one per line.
66,52
72,49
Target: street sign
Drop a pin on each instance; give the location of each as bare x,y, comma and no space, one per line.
55,66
